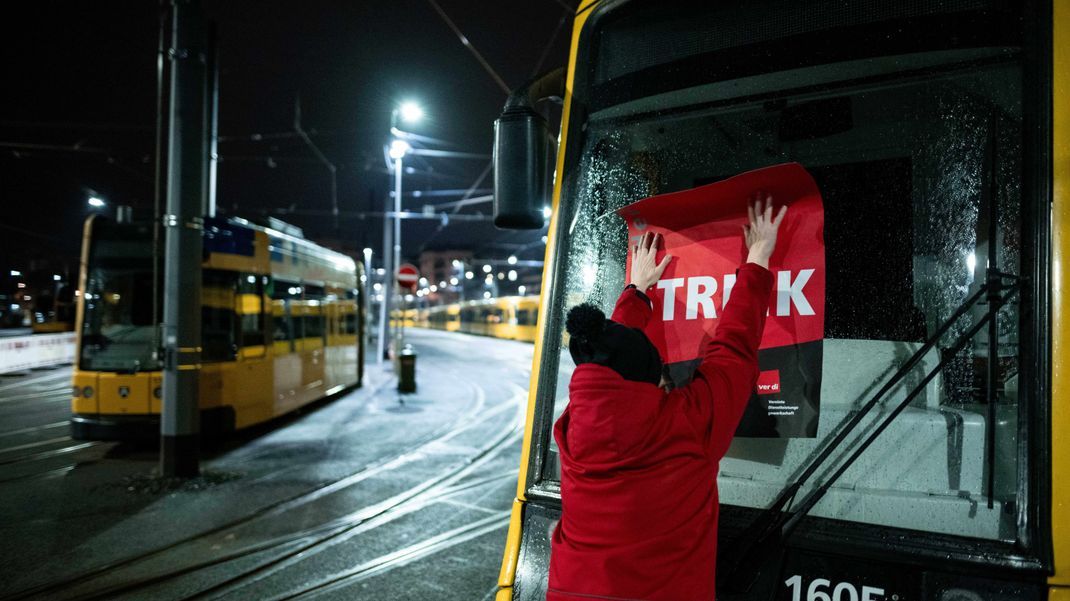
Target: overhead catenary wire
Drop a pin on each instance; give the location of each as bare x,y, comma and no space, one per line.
569,10
322,158
457,207
467,44
549,44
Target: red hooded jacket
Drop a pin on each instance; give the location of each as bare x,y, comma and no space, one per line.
639,466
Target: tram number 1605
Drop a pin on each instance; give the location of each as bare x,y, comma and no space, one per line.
821,589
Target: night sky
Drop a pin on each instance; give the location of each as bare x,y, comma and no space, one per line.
83,75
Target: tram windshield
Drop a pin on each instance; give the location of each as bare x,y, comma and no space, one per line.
118,328
897,146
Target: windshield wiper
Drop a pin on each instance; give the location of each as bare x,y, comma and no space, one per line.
740,566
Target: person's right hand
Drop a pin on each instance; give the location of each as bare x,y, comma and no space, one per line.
760,233
645,269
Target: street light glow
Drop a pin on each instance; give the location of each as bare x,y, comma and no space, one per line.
96,201
411,112
487,268
398,149
546,212
512,259
367,253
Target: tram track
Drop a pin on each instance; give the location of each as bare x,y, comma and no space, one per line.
52,395
298,545
10,463
32,429
429,492
52,473
49,453
276,508
44,378
32,445
402,557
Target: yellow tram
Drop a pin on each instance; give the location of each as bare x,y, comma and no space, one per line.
281,320
508,317
939,136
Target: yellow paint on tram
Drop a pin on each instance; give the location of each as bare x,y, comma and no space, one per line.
1060,310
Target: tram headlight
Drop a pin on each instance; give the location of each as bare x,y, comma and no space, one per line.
76,391
87,392
157,392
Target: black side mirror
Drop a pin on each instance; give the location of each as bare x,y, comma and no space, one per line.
523,155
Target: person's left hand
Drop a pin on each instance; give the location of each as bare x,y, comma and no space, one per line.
645,271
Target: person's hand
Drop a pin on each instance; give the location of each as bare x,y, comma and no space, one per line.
760,233
645,272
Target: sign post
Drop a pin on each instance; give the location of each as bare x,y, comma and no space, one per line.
407,277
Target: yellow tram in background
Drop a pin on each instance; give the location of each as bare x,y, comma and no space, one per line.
508,317
282,326
939,136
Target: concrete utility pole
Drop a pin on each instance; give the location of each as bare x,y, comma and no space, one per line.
212,106
184,224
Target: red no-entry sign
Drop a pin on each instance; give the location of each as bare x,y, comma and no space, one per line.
408,276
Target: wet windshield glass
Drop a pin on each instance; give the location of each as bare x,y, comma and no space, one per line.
118,327
899,166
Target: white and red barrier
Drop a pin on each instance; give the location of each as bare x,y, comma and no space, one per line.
41,350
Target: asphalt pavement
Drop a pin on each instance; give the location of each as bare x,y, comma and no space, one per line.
372,495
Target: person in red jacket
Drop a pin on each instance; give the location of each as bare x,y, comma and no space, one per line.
639,459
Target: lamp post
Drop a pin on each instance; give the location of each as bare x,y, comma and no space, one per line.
409,112
366,294
398,148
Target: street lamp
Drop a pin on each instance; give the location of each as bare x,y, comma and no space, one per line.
398,149
96,202
409,112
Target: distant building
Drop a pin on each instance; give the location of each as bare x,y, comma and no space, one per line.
437,265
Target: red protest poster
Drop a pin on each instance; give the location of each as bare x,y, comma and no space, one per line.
702,231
